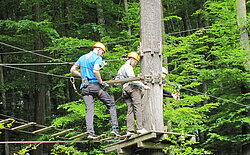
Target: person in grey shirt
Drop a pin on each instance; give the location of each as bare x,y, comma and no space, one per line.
132,94
166,93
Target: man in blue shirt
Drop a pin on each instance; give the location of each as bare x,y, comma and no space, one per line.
92,86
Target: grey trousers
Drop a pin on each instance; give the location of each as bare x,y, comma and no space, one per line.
94,90
133,99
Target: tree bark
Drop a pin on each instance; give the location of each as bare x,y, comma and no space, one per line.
151,40
242,23
3,96
126,11
41,80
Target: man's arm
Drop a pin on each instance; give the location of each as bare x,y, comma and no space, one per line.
74,70
97,73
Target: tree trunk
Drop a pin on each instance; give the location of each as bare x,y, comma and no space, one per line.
66,12
242,23
126,11
41,81
151,41
3,96
100,17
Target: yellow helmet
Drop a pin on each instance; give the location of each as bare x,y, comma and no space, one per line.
134,55
100,45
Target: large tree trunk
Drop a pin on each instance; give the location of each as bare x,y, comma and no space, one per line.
100,17
242,23
126,11
151,42
41,82
3,100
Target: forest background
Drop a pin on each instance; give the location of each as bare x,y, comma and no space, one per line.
202,51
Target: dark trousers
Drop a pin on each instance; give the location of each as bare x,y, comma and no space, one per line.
133,100
167,94
94,90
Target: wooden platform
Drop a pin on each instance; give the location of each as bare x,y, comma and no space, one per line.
150,140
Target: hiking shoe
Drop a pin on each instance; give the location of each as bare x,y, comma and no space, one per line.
142,131
115,132
129,133
92,136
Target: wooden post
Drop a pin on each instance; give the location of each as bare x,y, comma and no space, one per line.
151,64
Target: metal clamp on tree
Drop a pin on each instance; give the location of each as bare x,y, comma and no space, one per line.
152,50
152,78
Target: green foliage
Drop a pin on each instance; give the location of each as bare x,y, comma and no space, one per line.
207,62
59,149
27,149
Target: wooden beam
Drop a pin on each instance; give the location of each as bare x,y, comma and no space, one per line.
79,135
23,126
129,142
123,80
151,145
161,137
124,151
43,129
181,136
62,132
6,120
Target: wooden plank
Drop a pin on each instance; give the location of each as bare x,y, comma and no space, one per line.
129,142
79,135
124,151
43,129
151,145
181,136
62,132
161,137
123,80
23,126
7,120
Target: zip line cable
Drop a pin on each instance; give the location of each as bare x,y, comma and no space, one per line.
29,51
52,63
32,52
22,51
118,75
216,97
27,70
201,28
37,64
108,43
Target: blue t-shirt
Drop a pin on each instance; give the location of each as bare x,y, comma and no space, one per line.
86,63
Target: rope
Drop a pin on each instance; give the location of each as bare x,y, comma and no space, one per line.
75,141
